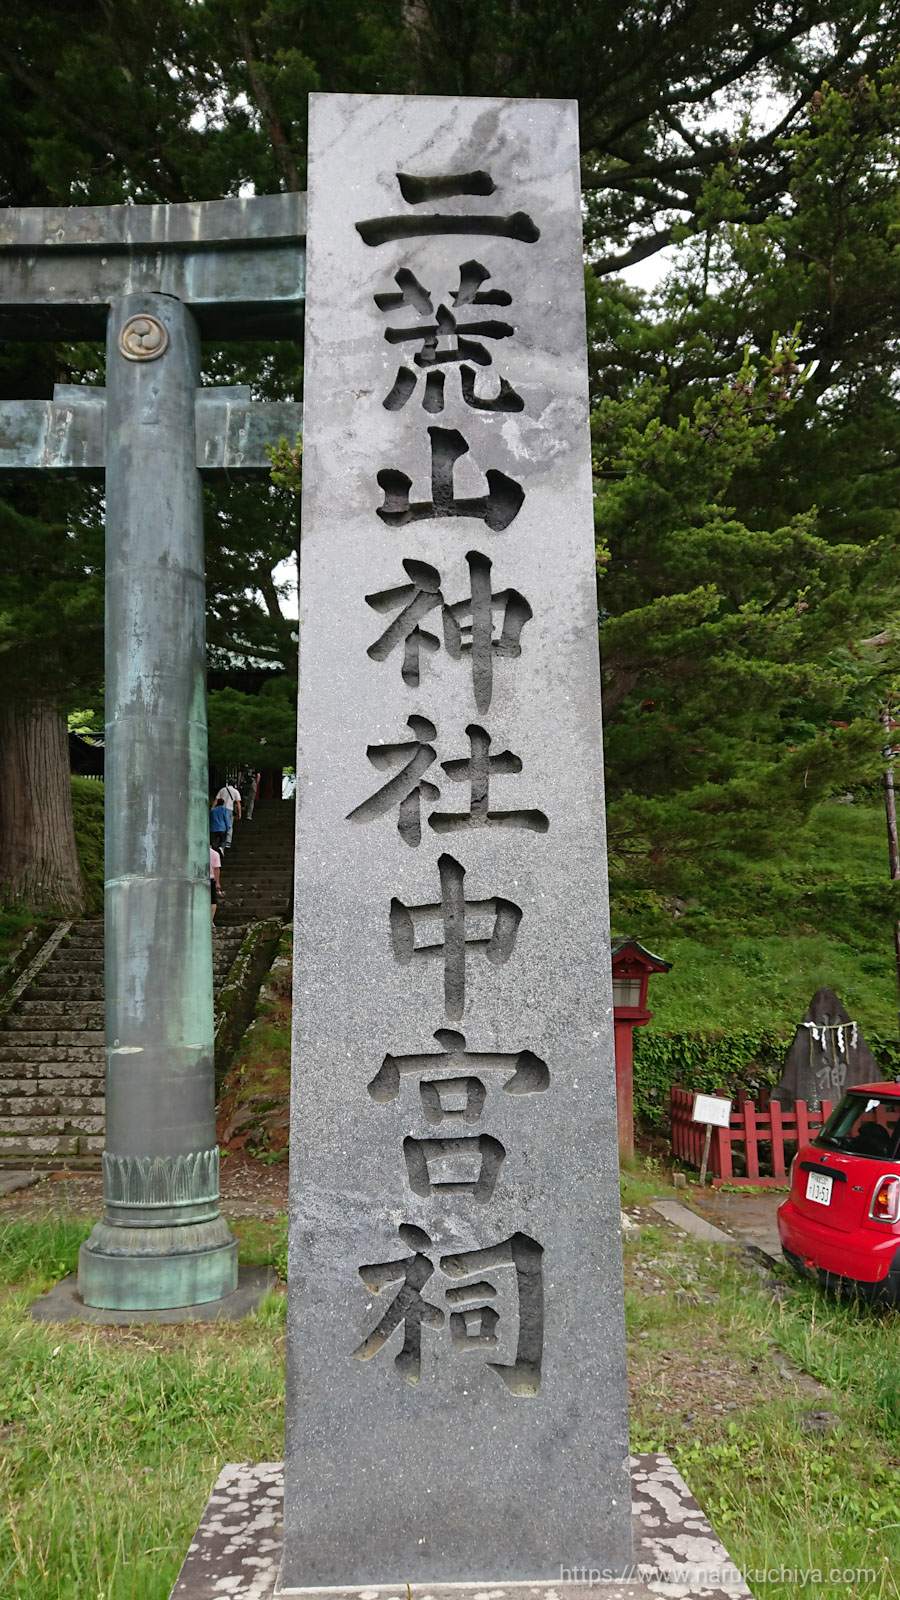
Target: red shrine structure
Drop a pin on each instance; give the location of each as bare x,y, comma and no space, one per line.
632,965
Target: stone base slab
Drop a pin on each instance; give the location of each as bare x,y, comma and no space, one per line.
237,1550
63,1303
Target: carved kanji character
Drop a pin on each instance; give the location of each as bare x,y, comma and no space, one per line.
447,341
453,909
408,789
462,1165
480,626
497,509
475,1323
417,190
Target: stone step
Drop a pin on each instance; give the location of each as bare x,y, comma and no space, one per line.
255,891
52,1056
244,905
248,872
30,1060
277,842
50,1013
275,847
31,1089
25,1147
233,916
241,872
67,975
239,905
65,992
276,871
269,916
80,1150
250,893
277,865
274,913
40,1030
77,1122
49,1105
70,974
67,962
54,1036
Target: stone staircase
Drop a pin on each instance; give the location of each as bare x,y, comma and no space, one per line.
51,1037
257,872
52,1057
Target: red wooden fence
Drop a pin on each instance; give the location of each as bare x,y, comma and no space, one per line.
759,1131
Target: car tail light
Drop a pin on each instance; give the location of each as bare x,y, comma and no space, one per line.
885,1205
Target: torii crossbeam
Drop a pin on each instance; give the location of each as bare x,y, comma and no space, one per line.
157,279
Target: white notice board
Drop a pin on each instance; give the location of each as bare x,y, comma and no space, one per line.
712,1108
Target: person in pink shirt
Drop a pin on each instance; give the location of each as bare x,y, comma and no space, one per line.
215,888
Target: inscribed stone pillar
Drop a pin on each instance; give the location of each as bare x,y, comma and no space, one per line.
456,1360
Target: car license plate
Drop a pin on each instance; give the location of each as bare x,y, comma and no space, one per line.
818,1188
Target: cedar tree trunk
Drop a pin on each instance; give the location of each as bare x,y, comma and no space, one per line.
38,860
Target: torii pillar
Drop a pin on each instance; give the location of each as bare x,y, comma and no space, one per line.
156,279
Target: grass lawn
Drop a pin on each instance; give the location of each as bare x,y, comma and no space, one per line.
749,949
111,1438
780,1409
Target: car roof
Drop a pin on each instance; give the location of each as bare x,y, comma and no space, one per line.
890,1087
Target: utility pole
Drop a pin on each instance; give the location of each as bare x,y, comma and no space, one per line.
890,810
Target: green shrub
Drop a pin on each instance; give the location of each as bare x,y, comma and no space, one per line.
719,1062
87,807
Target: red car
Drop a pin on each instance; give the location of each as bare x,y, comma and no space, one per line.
841,1220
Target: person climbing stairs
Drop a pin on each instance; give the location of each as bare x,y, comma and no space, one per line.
257,872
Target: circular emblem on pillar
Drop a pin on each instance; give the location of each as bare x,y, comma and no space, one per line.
143,339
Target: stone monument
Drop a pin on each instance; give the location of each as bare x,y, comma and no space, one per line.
456,1348
828,1055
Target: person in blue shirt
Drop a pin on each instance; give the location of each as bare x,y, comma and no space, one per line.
218,825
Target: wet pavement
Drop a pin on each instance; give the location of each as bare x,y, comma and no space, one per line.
748,1214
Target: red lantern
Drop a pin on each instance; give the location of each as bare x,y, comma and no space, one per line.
632,965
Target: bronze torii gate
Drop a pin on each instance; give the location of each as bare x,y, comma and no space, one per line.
156,279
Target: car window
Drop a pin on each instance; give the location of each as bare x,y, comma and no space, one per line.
864,1125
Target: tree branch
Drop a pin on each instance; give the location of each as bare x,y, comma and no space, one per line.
274,127
266,586
639,251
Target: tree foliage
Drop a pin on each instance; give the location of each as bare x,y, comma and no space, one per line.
745,419
745,434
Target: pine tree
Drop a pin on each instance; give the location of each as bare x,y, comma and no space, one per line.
745,517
